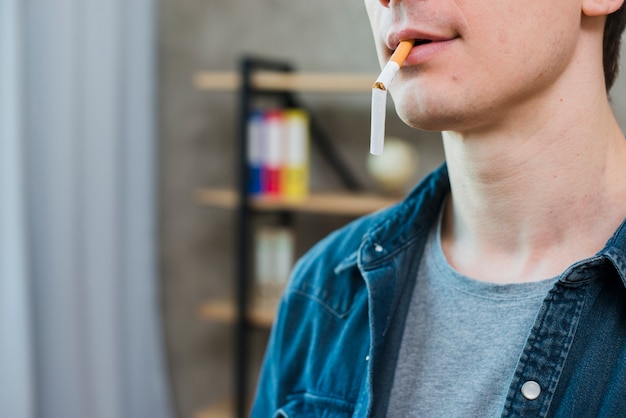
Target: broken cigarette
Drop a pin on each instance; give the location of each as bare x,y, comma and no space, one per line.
379,96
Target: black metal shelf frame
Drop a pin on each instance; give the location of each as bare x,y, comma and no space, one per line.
321,140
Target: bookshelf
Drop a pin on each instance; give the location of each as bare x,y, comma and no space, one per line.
294,82
268,78
224,311
335,203
224,409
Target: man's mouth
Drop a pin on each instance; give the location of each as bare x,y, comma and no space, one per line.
419,42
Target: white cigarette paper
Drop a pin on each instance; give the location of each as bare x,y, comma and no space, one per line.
379,96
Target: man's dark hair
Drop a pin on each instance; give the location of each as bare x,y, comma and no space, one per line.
613,29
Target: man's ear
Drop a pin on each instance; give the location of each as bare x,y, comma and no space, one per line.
600,7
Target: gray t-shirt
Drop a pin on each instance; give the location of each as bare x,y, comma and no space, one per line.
461,342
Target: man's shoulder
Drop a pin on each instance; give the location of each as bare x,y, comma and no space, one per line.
338,253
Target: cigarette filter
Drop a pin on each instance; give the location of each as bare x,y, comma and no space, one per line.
379,96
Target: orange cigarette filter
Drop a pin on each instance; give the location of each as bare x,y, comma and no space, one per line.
401,52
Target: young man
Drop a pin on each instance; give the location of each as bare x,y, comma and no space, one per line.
498,287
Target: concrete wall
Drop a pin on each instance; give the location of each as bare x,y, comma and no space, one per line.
197,149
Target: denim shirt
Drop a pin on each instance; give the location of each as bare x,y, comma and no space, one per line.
334,345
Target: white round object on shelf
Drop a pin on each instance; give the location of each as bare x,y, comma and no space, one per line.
395,170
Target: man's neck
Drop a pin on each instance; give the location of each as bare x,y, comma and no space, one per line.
529,200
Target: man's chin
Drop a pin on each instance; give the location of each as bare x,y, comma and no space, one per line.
427,120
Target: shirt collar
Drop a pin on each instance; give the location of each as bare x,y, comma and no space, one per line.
392,228
615,251
410,219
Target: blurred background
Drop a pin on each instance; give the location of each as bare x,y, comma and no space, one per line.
110,264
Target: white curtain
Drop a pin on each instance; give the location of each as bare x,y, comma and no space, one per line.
80,325
16,356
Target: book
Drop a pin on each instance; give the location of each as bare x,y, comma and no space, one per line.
255,152
273,259
295,173
278,153
274,128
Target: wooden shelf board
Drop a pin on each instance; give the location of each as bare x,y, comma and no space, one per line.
224,311
221,198
349,204
301,82
223,409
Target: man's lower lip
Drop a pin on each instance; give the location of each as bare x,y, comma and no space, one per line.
422,53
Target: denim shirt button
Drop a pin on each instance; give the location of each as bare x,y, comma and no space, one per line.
378,248
367,358
531,390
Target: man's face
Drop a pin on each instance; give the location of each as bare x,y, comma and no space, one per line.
483,59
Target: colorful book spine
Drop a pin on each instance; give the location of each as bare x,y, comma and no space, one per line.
273,151
255,153
278,153
295,174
